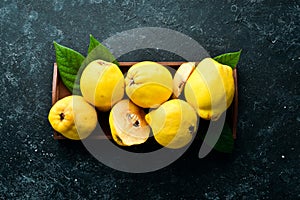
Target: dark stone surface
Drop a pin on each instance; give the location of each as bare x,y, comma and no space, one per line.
265,162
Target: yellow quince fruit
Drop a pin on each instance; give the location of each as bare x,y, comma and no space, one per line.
127,124
102,84
181,76
148,84
173,124
210,89
73,117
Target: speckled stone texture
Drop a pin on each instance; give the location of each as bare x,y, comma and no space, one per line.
265,162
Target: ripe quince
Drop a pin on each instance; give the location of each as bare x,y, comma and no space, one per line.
127,124
102,84
210,89
148,84
181,76
173,124
73,117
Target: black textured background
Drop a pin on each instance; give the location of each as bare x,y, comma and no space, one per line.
265,162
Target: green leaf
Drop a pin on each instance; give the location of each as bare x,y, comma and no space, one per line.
68,63
226,142
99,51
230,59
93,43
